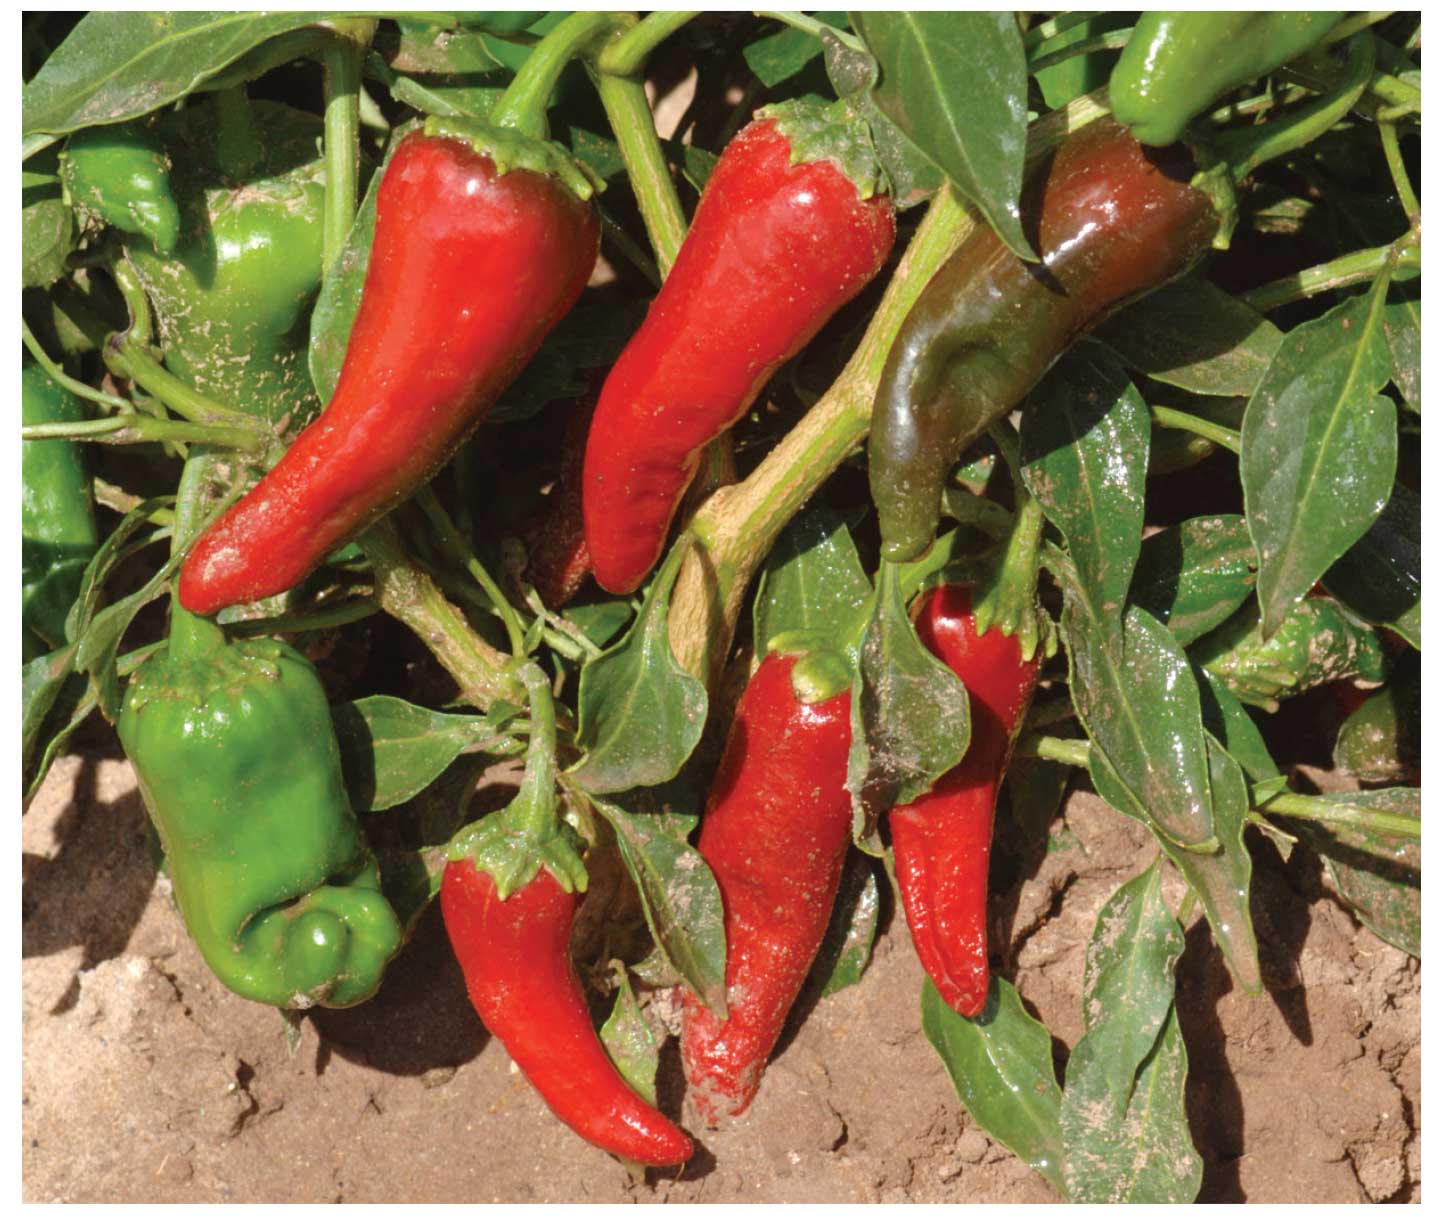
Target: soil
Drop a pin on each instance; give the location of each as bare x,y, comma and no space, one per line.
145,1081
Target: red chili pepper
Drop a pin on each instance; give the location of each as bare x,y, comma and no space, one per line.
514,955
558,561
942,841
775,834
470,269
774,251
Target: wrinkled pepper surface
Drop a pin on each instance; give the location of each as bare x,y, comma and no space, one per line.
520,977
478,253
1177,63
942,840
240,770
775,833
788,230
1111,221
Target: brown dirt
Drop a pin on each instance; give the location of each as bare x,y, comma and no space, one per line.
144,1080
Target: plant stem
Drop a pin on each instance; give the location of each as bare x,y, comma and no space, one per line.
1047,30
118,499
61,378
408,594
626,54
1111,40
126,358
1169,417
534,810
810,25
134,428
524,105
1393,150
453,543
631,119
352,610
1355,268
342,83
191,635
1074,751
1352,25
733,530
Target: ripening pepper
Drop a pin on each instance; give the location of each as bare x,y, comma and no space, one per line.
232,298
558,561
1111,221
1177,63
520,977
775,833
240,770
942,840
57,519
789,229
122,176
480,248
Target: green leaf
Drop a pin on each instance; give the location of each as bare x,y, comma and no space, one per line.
629,1041
100,642
1128,995
1002,1070
1195,575
1193,335
1380,578
392,750
1085,436
47,226
113,549
640,713
600,620
49,690
1318,450
1226,719
849,939
1165,1168
1380,876
909,714
1143,716
812,580
118,65
954,83
1064,82
776,57
681,900
1402,324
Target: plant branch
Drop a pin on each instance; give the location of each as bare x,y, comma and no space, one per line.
1355,268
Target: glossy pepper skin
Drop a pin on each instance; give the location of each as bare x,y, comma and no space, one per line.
1111,222
775,834
120,174
240,770
57,519
942,840
515,959
774,251
232,297
1177,63
470,269
558,560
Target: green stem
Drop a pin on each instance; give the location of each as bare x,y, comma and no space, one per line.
1009,603
453,544
353,610
1393,150
240,152
1353,25
626,54
122,502
810,25
1355,268
1047,30
1188,908
1322,810
125,358
534,810
1111,40
524,106
134,429
1169,417
191,635
631,119
342,83
467,592
1074,751
409,595
60,377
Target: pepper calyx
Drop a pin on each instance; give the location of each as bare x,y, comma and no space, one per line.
833,132
508,150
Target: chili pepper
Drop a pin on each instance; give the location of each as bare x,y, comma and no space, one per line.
1111,221
558,560
239,766
520,976
232,299
788,230
942,840
1380,742
479,251
775,833
58,532
120,175
1177,63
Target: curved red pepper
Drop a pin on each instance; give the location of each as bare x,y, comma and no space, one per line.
775,834
942,841
774,251
469,271
514,955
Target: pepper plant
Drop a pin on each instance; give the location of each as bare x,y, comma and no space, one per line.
754,466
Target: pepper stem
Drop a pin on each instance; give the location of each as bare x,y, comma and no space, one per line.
524,106
342,84
191,635
1009,602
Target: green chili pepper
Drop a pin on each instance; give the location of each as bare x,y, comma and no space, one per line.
239,766
232,300
57,519
120,175
1177,63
